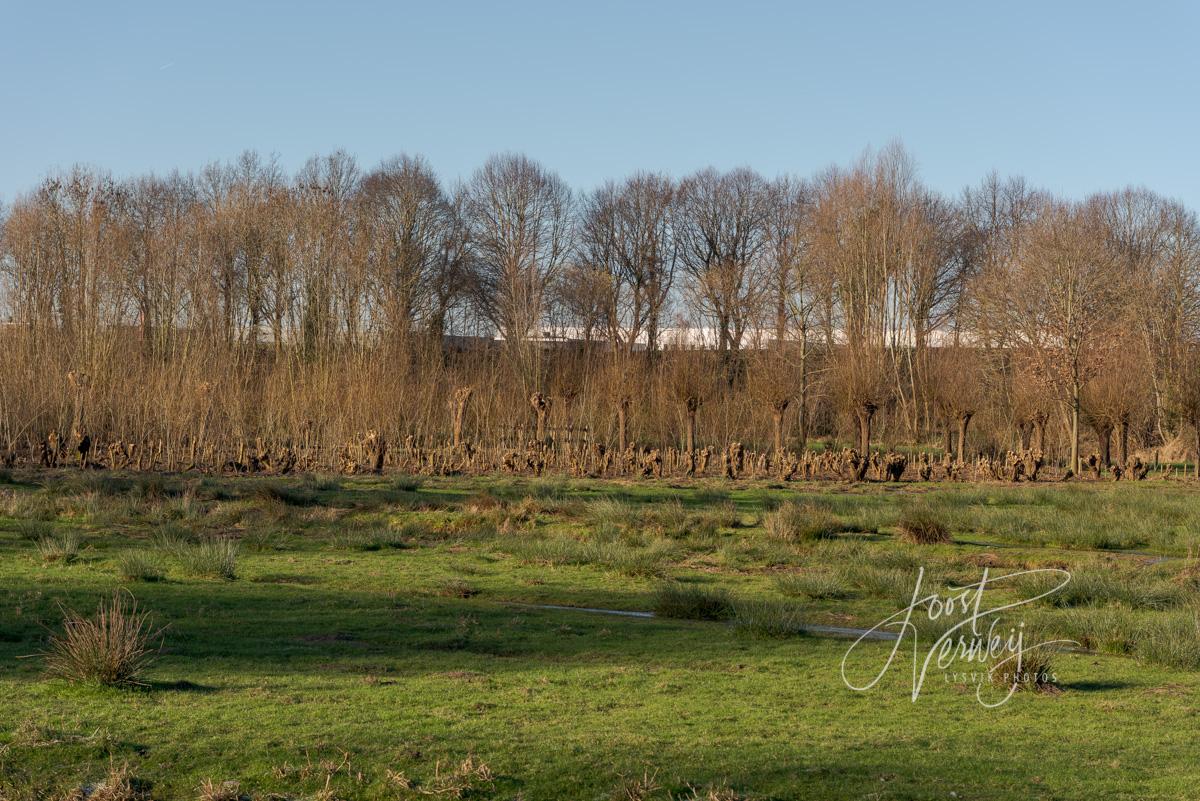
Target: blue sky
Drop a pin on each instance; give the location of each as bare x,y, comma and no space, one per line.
1075,96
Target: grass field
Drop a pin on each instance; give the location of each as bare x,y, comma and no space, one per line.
380,638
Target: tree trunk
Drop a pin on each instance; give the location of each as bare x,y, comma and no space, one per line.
691,404
621,410
777,419
865,413
1039,433
1075,429
1024,430
1104,437
964,420
1123,443
802,423
947,437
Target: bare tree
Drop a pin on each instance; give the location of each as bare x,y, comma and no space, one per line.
721,229
626,232
520,218
415,240
1055,302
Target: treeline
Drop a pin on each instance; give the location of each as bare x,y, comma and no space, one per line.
208,319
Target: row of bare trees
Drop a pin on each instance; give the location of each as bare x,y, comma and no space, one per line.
203,311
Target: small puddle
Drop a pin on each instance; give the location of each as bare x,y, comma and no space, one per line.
833,631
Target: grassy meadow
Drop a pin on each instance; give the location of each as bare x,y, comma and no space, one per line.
399,638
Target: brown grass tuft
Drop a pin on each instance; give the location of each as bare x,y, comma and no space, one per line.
113,647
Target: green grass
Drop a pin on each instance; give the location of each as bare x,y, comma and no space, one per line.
339,661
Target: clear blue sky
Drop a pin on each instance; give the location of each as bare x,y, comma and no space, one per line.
1076,96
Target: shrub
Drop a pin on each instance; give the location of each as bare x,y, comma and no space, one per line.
138,566
766,618
688,602
62,547
113,647
813,584
209,558
793,522
921,525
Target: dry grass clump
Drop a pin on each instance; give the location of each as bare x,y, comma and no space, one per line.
636,788
684,601
718,792
62,547
113,647
119,785
219,791
921,525
470,778
794,522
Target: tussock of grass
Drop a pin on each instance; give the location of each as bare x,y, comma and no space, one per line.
406,483
1172,640
619,557
1036,673
690,602
370,538
139,566
113,647
1089,587
817,585
793,522
456,588
768,618
921,525
62,547
289,496
208,558
32,506
610,518
892,584
33,530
